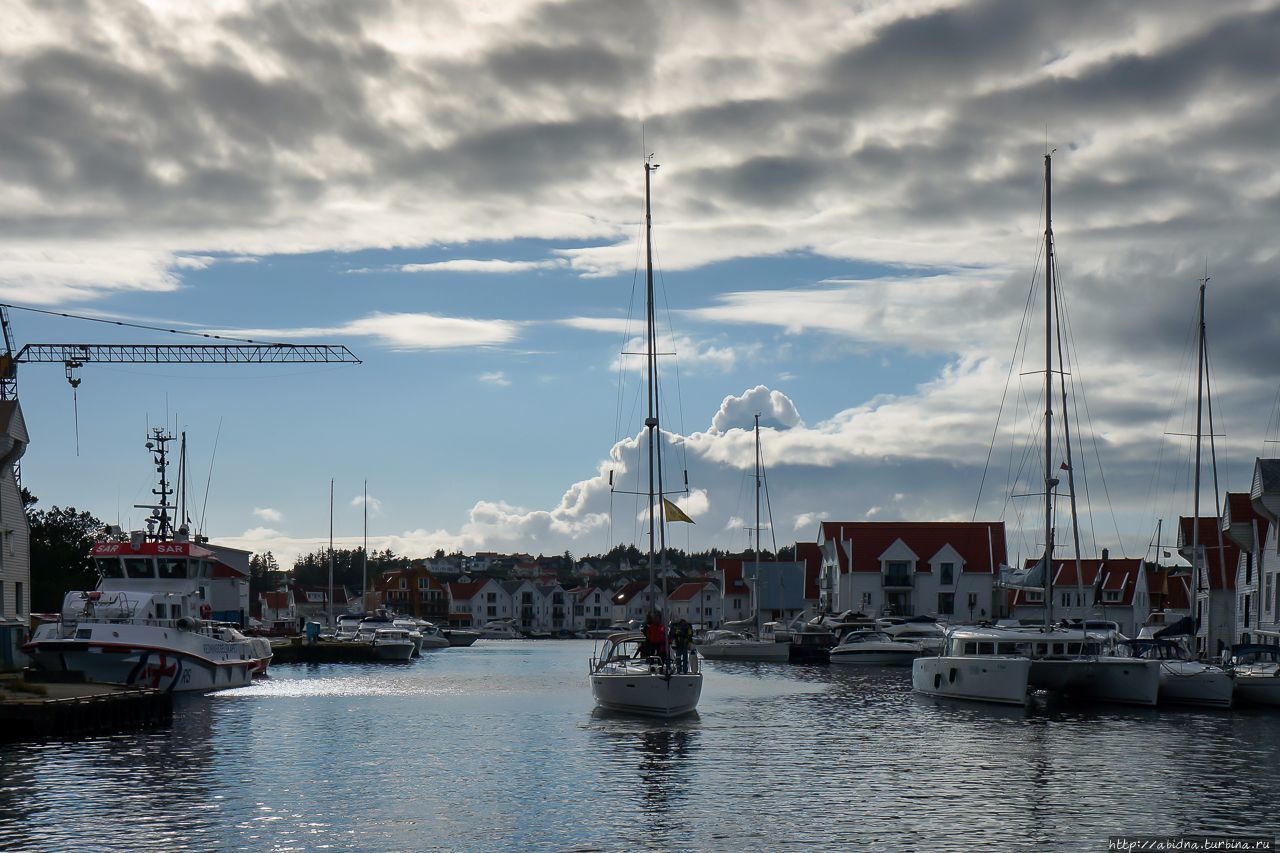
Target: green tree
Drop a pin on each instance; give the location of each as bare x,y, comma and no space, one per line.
60,561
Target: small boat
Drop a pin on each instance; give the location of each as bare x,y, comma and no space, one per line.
922,631
411,625
460,637
392,644
433,637
625,680
731,645
1256,669
500,629
1183,681
874,648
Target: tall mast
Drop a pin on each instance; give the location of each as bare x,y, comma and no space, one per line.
364,568
330,552
653,434
1195,500
1049,480
756,587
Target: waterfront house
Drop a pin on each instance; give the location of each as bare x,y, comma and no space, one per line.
475,602
898,568
277,611
1250,522
591,608
553,611
1114,590
811,555
1214,594
525,600
229,586
697,601
15,551
413,591
634,601
311,603
1169,588
735,594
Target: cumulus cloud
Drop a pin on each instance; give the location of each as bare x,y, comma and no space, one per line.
775,409
375,505
268,514
496,377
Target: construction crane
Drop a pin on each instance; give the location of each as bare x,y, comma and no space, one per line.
75,356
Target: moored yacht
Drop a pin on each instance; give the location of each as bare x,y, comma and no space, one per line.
500,629
1183,681
732,645
873,648
1256,669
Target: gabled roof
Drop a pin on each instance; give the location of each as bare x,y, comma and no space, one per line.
466,590
1118,575
275,600
300,593
628,592
811,555
687,591
732,569
1168,590
1219,562
980,543
584,593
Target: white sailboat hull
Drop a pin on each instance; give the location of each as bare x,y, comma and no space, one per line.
758,650
645,693
874,657
1259,688
1002,680
1194,683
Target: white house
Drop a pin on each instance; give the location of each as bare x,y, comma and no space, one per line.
1109,589
696,601
555,612
229,586
1250,522
473,603
634,602
735,593
591,608
526,603
944,569
15,536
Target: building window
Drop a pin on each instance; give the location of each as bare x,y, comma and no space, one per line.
1266,593
493,596
404,584
948,572
1111,595
423,583
1066,599
1034,596
946,603
897,573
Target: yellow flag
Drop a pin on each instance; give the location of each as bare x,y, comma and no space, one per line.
673,512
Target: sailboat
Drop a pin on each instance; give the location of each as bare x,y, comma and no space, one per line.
732,645
627,676
1003,664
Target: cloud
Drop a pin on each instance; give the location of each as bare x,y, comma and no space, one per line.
775,409
477,266
400,331
496,377
268,514
806,523
375,505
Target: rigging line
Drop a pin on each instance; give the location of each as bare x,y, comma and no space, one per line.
209,480
1068,364
666,302
1097,452
626,337
1213,460
1273,418
995,430
68,316
764,480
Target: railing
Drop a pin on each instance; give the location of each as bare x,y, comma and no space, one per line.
902,580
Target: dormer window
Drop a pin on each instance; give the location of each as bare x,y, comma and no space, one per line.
947,574
1111,595
1034,596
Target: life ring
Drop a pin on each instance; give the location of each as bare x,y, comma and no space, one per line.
206,612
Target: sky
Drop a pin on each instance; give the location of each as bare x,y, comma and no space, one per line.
848,230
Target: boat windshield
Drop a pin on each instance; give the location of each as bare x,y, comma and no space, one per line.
172,568
109,567
139,567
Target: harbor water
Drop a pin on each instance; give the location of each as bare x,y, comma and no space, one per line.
497,747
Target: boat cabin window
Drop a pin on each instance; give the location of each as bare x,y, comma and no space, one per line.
1007,648
1042,648
1073,648
139,567
109,567
172,569
970,648
986,648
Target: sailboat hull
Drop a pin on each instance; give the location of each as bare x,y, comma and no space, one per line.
647,694
1122,680
1002,680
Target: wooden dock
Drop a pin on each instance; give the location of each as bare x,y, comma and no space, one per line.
69,711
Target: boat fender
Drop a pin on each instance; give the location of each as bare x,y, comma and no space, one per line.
937,680
185,624
953,675
206,612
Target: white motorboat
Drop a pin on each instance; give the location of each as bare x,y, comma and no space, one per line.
874,648
1256,669
411,625
624,679
731,645
500,630
433,637
460,637
392,643
148,622
924,633
1183,681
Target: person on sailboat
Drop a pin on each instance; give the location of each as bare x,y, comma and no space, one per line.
682,639
655,636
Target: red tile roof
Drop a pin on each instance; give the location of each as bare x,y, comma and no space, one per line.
687,591
980,544
1168,590
1219,562
276,600
628,592
465,590
732,569
811,555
